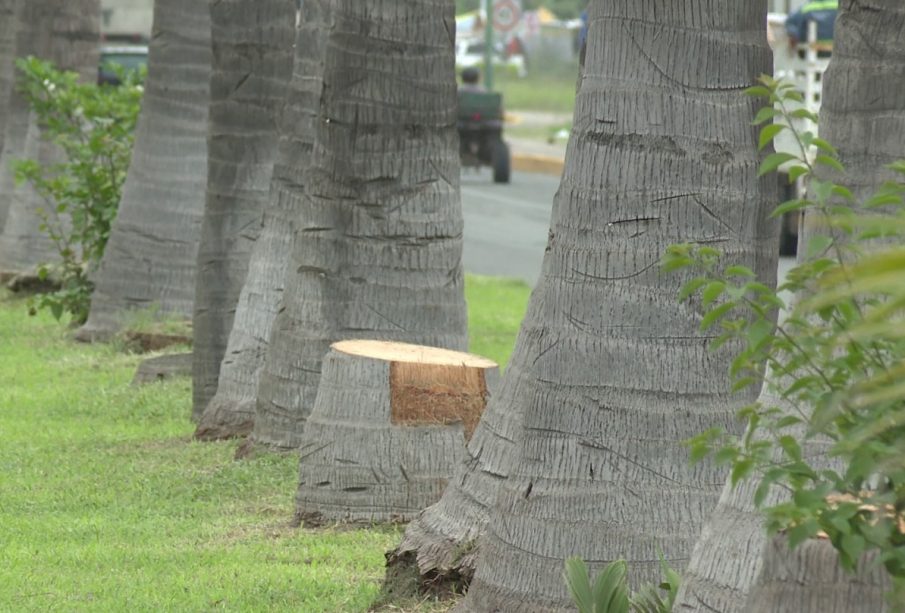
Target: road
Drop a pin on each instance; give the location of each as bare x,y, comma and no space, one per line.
506,225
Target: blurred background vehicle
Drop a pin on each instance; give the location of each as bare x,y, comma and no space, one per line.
128,58
470,54
801,62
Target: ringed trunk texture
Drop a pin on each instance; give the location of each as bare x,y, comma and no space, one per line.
13,110
152,252
378,247
66,33
442,540
861,111
728,556
9,23
388,428
811,579
252,62
231,411
616,211
614,373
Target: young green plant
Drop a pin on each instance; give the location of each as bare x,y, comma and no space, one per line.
93,127
836,359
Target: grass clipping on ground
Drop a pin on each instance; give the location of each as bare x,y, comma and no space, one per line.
107,504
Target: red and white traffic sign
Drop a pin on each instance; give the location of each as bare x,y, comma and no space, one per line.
506,15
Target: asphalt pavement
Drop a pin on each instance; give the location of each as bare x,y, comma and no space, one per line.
506,226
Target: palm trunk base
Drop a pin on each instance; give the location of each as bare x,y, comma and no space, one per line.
387,430
29,283
246,450
404,580
427,563
226,419
810,579
442,542
163,367
93,334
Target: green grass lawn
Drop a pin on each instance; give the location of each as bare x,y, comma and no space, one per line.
106,504
543,89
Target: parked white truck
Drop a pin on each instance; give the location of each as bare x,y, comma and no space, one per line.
802,65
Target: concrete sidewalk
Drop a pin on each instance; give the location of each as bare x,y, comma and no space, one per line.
533,154
530,155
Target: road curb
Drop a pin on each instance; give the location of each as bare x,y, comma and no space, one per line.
545,164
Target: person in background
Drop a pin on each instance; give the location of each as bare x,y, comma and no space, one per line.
583,38
471,80
822,12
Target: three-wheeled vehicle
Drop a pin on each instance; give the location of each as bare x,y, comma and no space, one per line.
481,133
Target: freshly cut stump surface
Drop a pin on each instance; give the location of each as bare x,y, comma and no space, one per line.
389,426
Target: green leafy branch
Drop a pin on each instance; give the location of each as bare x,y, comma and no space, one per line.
834,359
92,127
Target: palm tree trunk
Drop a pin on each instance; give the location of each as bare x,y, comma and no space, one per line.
727,556
12,107
66,33
863,105
252,61
8,25
612,373
810,579
862,111
152,252
231,411
378,247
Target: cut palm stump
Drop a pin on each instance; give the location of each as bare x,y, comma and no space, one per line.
389,426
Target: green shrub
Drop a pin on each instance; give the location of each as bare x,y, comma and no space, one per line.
836,360
610,592
93,127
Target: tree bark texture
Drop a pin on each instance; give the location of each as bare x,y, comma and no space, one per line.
231,411
378,247
252,43
862,111
614,373
810,579
442,539
859,115
16,112
388,427
66,33
9,23
595,230
727,557
152,252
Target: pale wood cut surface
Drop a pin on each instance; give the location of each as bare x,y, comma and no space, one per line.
418,354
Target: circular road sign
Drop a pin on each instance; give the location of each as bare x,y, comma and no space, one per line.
506,15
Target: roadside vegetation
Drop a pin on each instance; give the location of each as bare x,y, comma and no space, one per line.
549,89
108,504
564,9
93,126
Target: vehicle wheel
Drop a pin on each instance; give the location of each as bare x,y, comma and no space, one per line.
501,162
788,240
